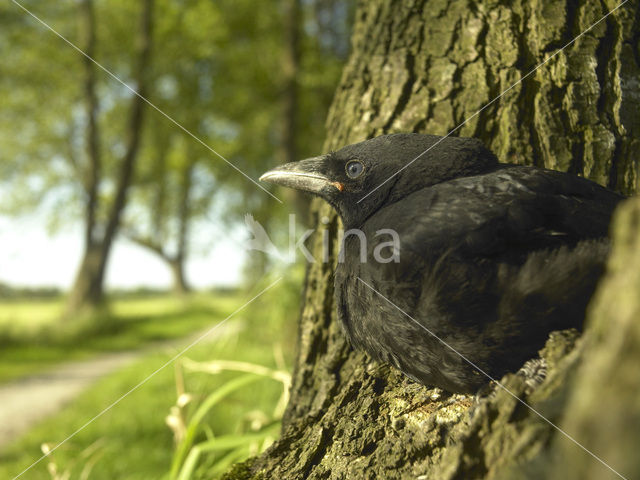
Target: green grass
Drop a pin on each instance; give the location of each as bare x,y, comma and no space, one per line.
131,440
25,318
32,340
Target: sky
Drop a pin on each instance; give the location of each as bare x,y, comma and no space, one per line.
31,257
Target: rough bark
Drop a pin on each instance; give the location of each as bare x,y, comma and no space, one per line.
608,383
427,66
87,290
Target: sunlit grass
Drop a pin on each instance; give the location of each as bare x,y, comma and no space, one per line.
27,317
220,451
32,339
133,441
168,304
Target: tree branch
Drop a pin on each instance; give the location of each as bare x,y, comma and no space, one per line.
146,242
135,126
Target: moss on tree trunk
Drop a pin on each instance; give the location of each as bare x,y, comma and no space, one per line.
427,66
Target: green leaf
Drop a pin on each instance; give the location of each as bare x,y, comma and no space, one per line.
203,409
222,443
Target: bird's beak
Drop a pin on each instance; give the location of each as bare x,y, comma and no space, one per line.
306,175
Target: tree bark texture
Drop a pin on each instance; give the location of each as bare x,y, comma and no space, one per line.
427,66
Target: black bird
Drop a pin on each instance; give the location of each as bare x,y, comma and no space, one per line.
492,256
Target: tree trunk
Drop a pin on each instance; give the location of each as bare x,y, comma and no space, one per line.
91,175
176,262
88,288
87,292
427,66
156,242
180,285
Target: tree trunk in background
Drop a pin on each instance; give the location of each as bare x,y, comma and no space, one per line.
175,262
426,66
88,288
88,285
91,177
156,242
290,70
288,151
180,285
158,239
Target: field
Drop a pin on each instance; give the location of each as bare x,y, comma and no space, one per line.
32,340
132,440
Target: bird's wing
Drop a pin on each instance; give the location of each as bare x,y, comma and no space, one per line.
462,244
511,211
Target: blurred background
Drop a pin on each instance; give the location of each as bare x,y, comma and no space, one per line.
123,228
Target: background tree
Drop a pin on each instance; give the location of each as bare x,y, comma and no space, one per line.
255,113
428,66
70,162
167,198
220,75
88,287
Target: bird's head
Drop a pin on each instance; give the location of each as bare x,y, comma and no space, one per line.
359,179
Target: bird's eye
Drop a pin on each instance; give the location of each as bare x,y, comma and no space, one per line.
354,169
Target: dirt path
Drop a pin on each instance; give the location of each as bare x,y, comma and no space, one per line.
25,402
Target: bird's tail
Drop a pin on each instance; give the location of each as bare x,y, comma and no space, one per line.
556,286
